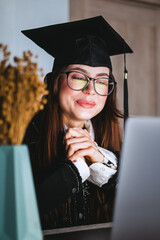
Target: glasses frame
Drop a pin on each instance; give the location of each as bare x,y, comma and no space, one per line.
88,80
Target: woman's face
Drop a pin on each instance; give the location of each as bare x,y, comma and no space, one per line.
79,106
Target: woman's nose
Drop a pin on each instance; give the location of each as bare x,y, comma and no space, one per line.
90,88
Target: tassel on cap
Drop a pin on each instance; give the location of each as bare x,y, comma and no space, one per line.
126,111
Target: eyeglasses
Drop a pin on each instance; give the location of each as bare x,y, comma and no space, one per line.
78,81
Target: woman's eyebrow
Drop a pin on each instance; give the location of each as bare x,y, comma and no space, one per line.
102,74
86,72
78,69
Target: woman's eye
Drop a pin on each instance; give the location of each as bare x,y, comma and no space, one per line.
103,83
77,77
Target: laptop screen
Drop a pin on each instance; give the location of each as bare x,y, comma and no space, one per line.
137,206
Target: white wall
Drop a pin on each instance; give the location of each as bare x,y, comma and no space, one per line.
17,15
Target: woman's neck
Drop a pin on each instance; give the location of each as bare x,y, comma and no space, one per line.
73,124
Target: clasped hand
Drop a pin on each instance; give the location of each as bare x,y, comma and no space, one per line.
79,144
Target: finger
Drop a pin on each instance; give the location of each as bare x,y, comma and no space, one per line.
72,132
82,153
76,146
75,140
78,132
75,132
92,154
84,132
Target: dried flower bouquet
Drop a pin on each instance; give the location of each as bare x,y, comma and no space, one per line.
22,94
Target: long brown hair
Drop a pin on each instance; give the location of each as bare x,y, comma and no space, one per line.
105,124
107,135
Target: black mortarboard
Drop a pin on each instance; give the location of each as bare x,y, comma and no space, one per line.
90,41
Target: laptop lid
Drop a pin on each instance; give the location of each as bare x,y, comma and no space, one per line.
137,205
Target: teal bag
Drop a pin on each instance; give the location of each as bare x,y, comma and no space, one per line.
19,217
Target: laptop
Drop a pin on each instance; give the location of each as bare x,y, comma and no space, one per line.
137,206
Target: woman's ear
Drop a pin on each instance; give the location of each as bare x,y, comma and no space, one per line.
47,78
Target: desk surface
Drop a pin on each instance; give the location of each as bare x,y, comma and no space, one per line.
94,231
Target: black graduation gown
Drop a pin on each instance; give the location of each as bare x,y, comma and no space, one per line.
62,198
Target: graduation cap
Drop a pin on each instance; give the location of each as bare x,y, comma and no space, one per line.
90,42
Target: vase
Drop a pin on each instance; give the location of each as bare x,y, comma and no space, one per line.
19,217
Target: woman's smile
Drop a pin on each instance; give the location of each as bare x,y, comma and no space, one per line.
85,103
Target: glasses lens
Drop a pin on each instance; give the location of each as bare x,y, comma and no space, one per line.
76,80
104,86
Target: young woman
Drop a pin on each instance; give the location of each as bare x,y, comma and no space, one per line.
74,141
